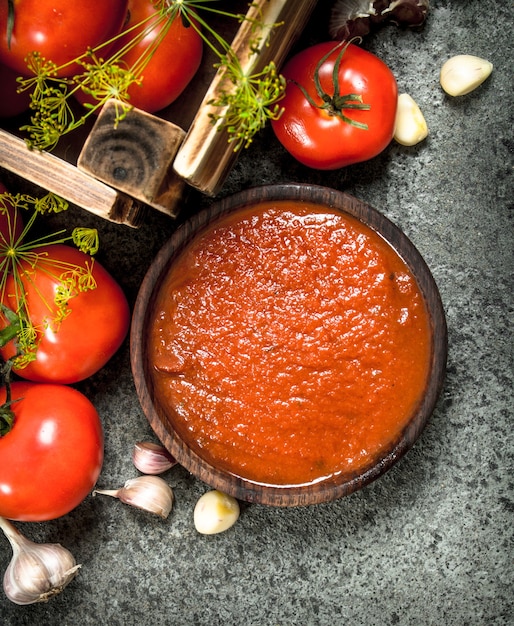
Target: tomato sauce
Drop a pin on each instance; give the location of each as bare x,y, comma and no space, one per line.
291,344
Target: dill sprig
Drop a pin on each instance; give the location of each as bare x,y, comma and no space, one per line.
19,256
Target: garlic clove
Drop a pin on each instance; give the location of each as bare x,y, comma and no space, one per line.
410,125
37,572
463,73
151,458
148,493
215,512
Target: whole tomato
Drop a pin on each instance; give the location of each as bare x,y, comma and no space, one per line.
348,114
172,65
94,328
11,103
59,30
53,454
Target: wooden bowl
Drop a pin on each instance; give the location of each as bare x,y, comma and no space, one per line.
161,417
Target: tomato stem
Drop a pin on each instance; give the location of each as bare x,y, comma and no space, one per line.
337,103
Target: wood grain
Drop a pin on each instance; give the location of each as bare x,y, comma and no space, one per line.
63,178
205,157
135,156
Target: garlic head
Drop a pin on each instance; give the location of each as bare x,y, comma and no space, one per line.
37,571
463,73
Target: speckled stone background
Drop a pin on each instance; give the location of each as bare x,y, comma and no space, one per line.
429,543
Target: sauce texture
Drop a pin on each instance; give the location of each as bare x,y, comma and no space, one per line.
290,344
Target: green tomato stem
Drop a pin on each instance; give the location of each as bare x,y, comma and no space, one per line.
335,104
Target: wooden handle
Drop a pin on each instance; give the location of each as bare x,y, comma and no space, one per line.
65,180
205,157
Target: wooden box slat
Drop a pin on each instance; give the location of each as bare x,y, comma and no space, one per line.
198,156
205,158
64,179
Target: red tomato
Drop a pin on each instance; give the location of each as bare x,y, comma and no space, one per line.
87,337
52,456
12,103
59,30
172,65
319,138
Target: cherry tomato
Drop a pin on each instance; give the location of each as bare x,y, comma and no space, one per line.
172,65
87,337
12,103
317,136
53,454
59,30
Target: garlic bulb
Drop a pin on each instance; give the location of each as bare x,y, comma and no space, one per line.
149,493
37,571
356,18
215,512
351,18
463,73
410,125
151,458
410,13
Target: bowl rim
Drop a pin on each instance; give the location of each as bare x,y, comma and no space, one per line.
325,490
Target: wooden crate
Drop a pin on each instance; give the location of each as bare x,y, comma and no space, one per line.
149,160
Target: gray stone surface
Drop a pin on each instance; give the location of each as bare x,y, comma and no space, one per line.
430,543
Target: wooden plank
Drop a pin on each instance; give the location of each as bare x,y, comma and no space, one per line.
65,180
205,157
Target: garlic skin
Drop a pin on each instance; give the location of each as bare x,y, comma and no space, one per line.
410,125
215,512
148,493
407,13
463,73
351,18
356,18
37,572
151,458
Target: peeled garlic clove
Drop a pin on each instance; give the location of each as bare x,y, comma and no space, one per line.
463,73
215,512
151,458
37,571
410,125
149,493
